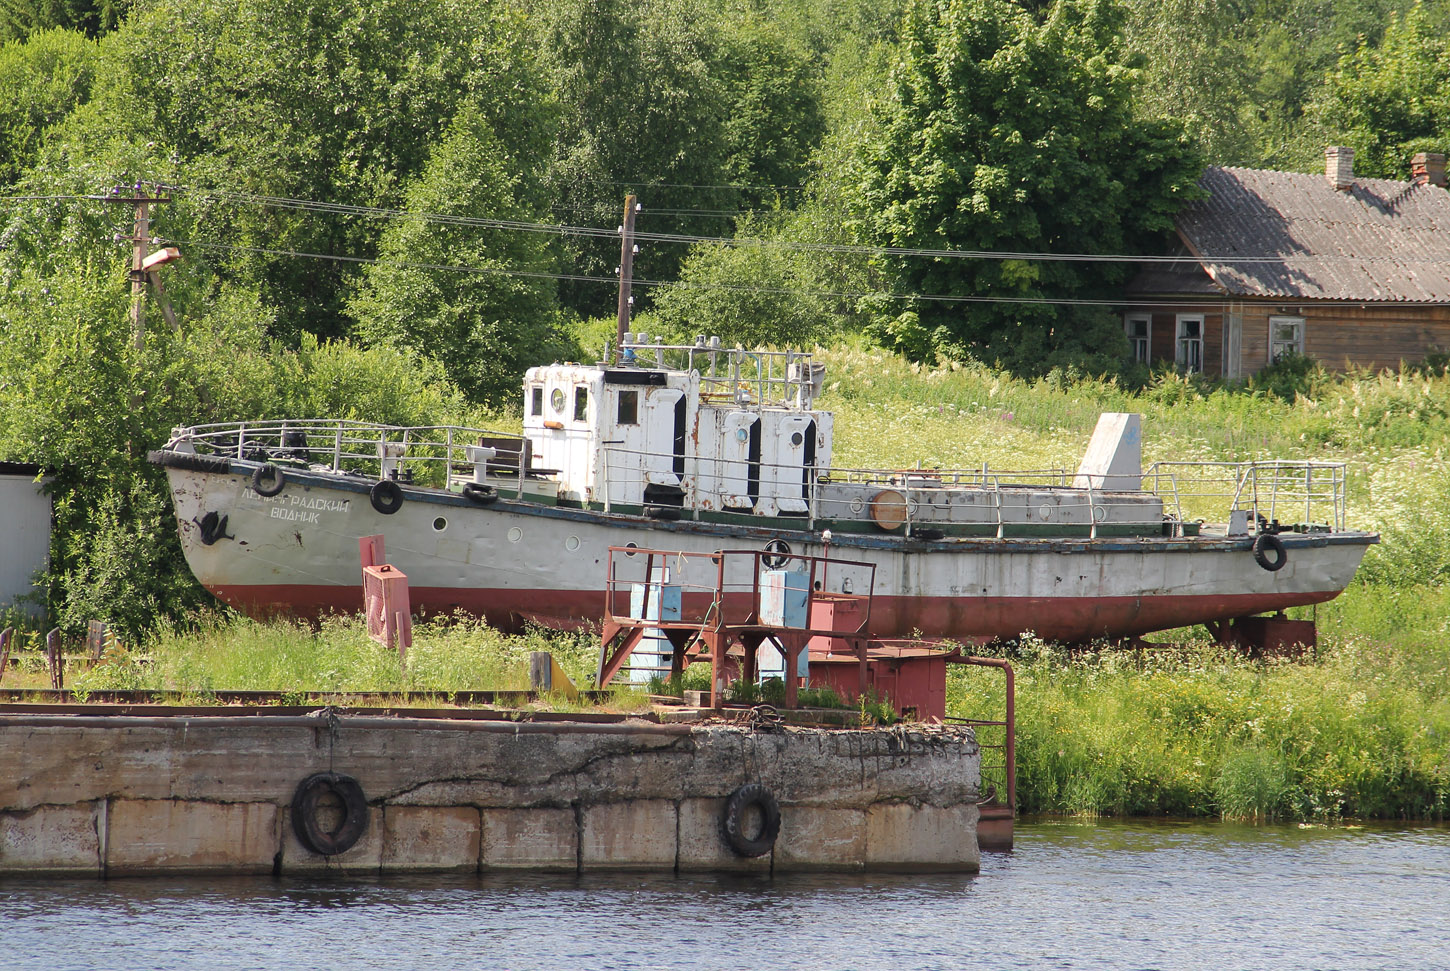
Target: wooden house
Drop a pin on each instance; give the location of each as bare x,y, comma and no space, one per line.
1350,271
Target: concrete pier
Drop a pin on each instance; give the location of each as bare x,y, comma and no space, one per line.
124,795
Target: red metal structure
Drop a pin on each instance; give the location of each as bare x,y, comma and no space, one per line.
722,606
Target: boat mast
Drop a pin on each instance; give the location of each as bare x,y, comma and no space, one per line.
627,249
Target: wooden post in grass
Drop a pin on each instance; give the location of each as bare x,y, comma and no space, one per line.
53,649
6,637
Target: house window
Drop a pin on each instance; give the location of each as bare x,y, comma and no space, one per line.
1286,336
1139,327
628,413
536,400
581,403
1189,356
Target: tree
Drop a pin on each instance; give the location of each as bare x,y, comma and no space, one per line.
264,108
41,80
690,103
485,325
20,19
1006,134
1392,100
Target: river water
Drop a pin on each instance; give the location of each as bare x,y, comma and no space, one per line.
1071,895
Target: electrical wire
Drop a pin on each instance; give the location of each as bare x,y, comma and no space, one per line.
844,249
728,287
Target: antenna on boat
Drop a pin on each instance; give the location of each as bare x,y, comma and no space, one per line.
627,249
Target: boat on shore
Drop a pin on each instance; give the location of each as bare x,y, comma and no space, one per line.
700,448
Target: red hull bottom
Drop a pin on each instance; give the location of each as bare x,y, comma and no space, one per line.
1065,620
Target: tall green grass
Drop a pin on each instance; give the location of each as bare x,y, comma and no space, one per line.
218,652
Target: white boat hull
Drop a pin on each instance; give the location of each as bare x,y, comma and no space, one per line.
296,553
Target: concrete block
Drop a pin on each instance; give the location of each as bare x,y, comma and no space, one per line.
156,835
906,837
366,853
639,834
536,839
815,838
703,847
431,838
57,839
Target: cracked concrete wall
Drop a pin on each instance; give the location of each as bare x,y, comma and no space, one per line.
204,794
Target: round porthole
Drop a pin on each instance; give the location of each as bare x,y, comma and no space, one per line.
630,548
515,535
440,524
557,399
1045,512
796,438
572,544
741,435
1100,513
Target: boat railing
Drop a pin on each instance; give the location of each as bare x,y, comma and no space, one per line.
725,485
1305,492
428,454
746,378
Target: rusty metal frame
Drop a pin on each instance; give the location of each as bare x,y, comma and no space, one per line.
712,636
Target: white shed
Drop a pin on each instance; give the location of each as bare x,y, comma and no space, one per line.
25,512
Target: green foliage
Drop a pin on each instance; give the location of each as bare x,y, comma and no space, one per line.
338,104
1291,375
485,326
1004,133
750,293
702,109
22,19
1195,731
41,80
1392,99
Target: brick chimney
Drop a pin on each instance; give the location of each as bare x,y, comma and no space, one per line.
1428,168
1339,167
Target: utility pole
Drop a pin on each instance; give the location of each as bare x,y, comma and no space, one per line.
627,250
141,267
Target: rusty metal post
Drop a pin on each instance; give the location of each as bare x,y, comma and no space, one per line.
53,649
95,640
6,636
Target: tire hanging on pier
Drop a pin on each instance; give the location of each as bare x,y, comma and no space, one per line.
310,828
386,496
732,823
1263,544
265,472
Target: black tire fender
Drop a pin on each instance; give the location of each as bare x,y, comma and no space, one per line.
777,554
264,472
308,827
480,493
1265,542
732,822
386,496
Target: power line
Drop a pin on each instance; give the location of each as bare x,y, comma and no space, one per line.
845,249
729,287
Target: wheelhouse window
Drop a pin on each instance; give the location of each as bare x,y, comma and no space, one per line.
628,411
536,400
1139,327
581,403
1189,354
1286,336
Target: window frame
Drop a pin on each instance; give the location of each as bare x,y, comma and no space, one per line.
1183,355
1276,347
1140,342
630,395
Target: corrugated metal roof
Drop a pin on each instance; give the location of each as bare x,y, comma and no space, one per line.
1379,241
